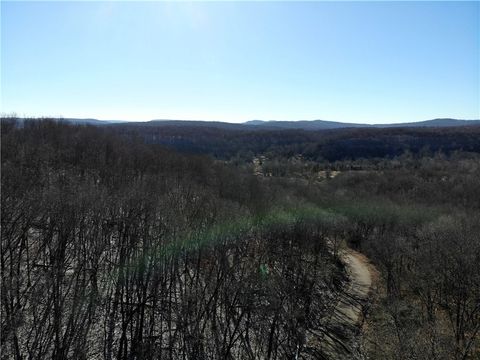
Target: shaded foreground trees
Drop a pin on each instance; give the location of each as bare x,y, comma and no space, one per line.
118,250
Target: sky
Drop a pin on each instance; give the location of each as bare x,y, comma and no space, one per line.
363,62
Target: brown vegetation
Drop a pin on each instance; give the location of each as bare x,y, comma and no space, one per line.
117,248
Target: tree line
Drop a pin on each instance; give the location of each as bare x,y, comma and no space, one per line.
323,145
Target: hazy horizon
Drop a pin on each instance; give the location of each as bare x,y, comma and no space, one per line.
231,122
360,62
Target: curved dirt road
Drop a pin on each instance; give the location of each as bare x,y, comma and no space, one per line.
359,271
344,325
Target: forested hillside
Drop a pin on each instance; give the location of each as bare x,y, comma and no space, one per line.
115,245
329,145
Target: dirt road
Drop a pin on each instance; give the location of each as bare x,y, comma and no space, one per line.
343,328
360,273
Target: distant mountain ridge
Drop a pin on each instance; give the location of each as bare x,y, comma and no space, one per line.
445,122
94,121
304,124
312,125
324,124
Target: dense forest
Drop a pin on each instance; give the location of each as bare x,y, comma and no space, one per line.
135,242
326,145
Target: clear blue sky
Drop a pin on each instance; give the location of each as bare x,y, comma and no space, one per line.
373,62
